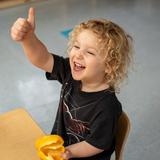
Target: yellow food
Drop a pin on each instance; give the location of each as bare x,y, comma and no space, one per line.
50,147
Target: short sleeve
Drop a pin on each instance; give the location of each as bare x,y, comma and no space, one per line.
104,123
61,69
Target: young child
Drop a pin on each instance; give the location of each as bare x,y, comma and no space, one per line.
99,56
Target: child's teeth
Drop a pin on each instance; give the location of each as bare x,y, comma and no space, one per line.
78,65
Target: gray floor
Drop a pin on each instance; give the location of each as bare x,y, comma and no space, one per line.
23,85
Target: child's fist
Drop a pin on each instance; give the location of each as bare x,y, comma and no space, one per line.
23,27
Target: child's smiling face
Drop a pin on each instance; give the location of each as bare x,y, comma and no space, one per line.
87,64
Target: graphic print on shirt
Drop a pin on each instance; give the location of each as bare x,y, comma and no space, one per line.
76,128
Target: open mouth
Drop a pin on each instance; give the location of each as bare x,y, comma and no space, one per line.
78,66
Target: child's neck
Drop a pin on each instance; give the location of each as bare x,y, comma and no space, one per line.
93,87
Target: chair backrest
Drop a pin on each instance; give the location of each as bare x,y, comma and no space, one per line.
124,126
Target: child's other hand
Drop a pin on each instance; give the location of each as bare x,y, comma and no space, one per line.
22,28
66,155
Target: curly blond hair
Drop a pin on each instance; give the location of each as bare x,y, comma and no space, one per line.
115,45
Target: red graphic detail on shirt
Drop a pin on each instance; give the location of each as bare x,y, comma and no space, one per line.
75,125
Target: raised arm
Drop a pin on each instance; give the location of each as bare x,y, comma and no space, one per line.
23,31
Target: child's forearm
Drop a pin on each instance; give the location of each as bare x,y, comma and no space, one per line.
82,149
35,50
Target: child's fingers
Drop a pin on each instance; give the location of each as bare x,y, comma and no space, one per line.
23,25
19,29
22,29
17,37
66,155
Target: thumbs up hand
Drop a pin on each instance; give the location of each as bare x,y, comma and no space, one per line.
23,28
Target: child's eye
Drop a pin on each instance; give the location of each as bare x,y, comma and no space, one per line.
77,47
91,53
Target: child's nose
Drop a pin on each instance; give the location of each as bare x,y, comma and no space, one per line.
79,54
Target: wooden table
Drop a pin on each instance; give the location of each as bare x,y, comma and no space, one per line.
18,133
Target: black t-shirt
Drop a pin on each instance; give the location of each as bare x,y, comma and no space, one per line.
84,116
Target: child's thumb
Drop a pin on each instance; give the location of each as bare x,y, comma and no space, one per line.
31,17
